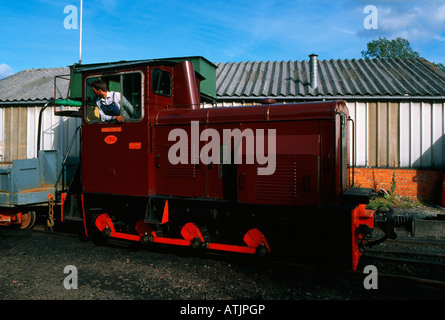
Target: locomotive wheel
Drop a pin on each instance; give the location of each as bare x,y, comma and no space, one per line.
28,220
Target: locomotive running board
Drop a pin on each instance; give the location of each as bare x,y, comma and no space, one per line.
192,237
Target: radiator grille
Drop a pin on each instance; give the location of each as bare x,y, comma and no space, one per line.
179,170
280,186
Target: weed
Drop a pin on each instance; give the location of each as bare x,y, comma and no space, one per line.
395,201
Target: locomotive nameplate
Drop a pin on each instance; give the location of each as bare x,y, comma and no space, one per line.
112,129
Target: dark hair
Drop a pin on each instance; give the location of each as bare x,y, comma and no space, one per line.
99,84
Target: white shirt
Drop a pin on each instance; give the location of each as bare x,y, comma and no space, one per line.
113,99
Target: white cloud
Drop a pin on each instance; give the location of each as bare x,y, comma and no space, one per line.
440,38
5,70
344,30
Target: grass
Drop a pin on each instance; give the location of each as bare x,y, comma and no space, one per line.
395,201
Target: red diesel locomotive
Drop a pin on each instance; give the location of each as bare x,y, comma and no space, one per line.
272,178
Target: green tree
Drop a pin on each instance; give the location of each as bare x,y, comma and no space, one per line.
439,66
384,49
397,48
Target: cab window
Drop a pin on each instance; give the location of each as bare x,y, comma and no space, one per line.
162,82
119,94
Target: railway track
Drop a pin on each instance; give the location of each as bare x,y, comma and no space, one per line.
415,250
415,262
400,276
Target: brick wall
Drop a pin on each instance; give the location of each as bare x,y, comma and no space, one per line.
415,183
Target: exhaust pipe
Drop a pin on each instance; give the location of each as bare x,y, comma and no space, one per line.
313,63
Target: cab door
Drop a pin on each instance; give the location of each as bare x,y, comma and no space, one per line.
115,155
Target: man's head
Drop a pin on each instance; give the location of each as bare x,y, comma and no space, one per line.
100,88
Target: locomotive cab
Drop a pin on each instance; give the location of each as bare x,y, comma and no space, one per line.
115,155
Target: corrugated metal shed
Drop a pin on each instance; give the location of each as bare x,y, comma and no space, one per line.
398,105
33,85
22,96
377,78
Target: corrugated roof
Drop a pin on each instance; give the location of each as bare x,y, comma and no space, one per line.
344,78
278,79
33,85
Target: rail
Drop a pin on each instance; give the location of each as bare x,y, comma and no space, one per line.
409,259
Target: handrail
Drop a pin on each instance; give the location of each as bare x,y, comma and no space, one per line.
66,158
50,101
353,150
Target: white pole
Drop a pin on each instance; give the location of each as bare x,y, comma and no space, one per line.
80,40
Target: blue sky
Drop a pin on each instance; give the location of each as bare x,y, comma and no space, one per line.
33,34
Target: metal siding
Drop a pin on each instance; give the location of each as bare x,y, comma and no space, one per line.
358,112
361,134
426,150
56,131
427,136
372,131
18,133
393,135
416,130
405,137
15,134
382,134
70,126
438,136
31,143
22,120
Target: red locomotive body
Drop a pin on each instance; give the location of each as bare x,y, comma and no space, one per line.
271,178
